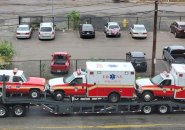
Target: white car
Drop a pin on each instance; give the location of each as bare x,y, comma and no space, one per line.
46,31
112,29
23,31
138,31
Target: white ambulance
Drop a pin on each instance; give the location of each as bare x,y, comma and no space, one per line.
113,80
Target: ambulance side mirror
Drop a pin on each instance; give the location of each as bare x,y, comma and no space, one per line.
94,83
160,85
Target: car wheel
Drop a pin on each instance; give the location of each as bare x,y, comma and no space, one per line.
147,96
171,30
163,57
1,93
34,93
59,95
107,35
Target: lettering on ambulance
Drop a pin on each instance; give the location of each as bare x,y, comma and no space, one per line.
112,78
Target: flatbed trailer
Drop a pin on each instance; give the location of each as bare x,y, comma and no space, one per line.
18,106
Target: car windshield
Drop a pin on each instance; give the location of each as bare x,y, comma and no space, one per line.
59,57
182,26
46,29
22,29
69,78
157,79
113,26
139,29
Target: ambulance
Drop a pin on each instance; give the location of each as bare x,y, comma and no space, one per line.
111,80
165,85
17,83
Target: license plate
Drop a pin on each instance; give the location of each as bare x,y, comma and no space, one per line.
87,32
58,71
138,64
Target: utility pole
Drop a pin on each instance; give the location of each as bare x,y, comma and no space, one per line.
154,38
52,8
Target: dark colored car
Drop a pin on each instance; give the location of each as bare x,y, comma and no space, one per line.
138,60
178,29
86,31
60,62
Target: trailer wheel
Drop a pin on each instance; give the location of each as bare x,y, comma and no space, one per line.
163,109
114,97
147,109
3,111
59,95
147,96
34,93
19,110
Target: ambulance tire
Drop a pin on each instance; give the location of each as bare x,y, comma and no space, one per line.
34,94
114,97
19,111
163,109
147,96
147,109
3,111
59,95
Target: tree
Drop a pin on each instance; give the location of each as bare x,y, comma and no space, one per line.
74,17
6,53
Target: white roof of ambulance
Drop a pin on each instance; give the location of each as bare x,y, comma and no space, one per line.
179,67
10,72
109,66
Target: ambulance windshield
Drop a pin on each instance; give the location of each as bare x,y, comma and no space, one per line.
157,79
23,77
69,79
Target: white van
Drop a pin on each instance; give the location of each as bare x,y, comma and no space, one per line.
46,31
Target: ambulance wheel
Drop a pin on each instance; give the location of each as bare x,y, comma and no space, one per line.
19,111
114,97
147,109
163,109
3,111
34,93
59,95
147,96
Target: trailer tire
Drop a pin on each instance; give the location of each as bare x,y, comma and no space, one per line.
114,97
147,109
19,111
163,109
34,93
59,95
3,111
147,96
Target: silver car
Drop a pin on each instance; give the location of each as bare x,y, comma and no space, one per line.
138,31
23,31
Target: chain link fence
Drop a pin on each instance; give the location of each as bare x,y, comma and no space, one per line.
41,68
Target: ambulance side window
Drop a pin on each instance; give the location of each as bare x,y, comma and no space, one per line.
166,82
77,81
17,79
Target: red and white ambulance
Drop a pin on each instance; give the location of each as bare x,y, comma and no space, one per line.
112,80
17,83
165,85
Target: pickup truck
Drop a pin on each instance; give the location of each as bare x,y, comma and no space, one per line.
174,54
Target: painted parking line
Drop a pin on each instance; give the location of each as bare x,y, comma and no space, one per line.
105,126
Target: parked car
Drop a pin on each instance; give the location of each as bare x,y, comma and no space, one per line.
86,30
23,31
112,29
138,31
47,31
137,58
60,62
174,54
178,29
